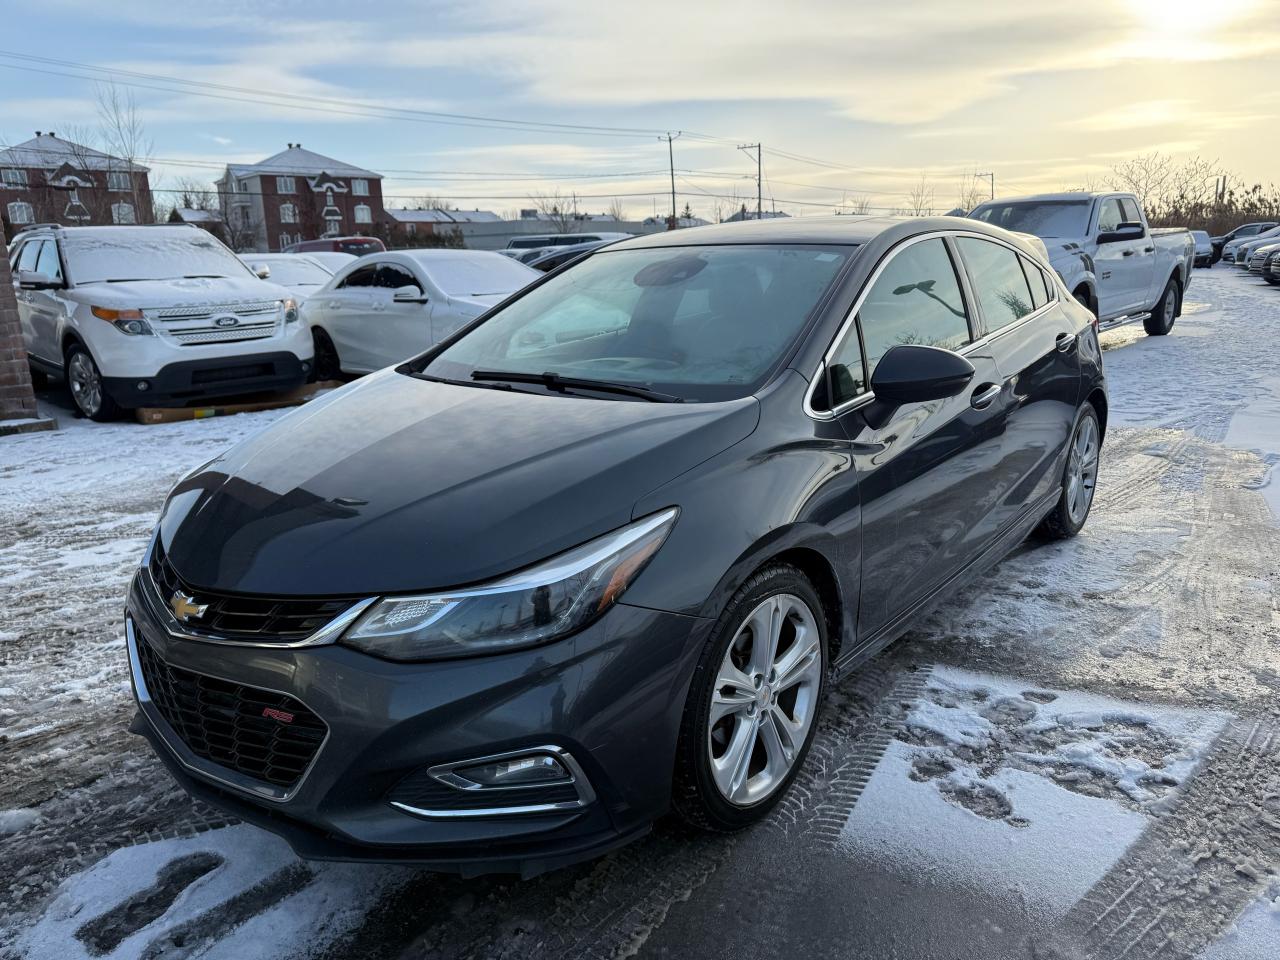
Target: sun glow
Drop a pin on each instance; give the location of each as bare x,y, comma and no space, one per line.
1183,29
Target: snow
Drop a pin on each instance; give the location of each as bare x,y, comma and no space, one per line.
11,821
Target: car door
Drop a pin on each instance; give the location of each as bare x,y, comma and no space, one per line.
1037,352
1117,265
401,329
37,310
347,315
924,474
24,258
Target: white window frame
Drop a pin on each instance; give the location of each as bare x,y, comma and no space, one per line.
288,213
410,228
21,212
332,226
284,240
118,213
119,181
363,213
286,185
359,188
15,178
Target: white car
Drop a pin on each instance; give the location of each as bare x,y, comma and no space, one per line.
152,316
301,273
332,260
387,307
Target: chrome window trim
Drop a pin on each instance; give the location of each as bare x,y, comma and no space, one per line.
971,301
443,772
199,766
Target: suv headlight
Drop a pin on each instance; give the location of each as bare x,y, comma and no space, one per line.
540,603
290,310
126,321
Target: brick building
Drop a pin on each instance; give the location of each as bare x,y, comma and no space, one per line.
48,179
299,195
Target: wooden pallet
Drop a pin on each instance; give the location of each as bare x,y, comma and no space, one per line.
293,398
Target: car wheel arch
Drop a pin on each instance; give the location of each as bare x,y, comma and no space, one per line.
1098,400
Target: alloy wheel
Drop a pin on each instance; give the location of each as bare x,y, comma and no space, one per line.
1082,470
765,699
85,383
1170,308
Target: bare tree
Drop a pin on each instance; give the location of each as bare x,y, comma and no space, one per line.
432,201
972,192
560,209
124,136
857,207
920,199
616,209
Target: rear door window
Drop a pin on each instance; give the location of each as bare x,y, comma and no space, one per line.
1038,282
362,277
998,281
916,299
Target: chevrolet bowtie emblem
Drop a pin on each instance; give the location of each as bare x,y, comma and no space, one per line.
185,608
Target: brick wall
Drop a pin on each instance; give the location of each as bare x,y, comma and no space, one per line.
17,402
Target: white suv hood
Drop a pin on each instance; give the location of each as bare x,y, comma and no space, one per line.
145,294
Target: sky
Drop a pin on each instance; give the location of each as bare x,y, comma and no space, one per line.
855,102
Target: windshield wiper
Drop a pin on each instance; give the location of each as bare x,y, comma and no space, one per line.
205,276
432,378
553,381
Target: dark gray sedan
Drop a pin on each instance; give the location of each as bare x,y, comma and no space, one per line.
601,553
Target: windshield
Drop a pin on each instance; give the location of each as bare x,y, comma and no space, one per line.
148,255
1057,218
297,273
699,323
477,275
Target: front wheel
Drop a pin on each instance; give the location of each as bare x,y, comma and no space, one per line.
1079,479
328,365
752,706
84,379
1161,320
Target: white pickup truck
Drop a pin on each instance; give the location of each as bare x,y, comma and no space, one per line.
1109,258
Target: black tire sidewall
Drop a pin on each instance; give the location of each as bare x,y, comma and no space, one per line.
1156,325
696,796
331,366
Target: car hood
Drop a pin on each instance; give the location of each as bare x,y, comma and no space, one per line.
197,291
395,484
478,303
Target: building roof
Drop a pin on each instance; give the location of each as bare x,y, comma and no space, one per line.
299,162
49,152
191,215
444,216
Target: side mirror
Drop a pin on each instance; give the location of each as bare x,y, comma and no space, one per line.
911,373
33,280
1129,230
408,294
261,271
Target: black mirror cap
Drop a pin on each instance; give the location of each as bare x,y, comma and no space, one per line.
1131,230
913,373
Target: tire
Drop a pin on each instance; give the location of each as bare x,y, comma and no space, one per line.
328,365
1067,518
762,720
84,382
39,379
1165,313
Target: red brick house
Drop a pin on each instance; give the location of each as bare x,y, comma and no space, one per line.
299,195
48,179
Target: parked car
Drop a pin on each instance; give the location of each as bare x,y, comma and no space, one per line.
1262,257
386,307
1204,248
561,240
550,259
303,275
1241,251
332,260
601,553
1273,274
1105,252
152,316
354,245
1242,232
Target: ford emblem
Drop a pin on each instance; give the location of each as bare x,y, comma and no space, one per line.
227,321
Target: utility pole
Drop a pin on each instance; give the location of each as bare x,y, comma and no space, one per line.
992,178
746,148
671,157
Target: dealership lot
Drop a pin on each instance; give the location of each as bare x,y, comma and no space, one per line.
1077,758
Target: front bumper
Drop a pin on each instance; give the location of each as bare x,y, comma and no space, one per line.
190,380
612,696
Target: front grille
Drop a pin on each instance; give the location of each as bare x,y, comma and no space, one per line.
253,308
245,331
423,791
246,617
259,733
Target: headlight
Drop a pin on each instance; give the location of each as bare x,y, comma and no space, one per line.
549,600
290,308
126,321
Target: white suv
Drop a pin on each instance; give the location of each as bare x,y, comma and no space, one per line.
152,316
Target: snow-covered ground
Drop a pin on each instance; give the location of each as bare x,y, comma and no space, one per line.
1078,757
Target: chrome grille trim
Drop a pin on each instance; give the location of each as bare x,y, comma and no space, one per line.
248,308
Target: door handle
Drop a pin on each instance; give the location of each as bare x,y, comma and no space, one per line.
1064,342
983,396
333,304
1127,253
1148,249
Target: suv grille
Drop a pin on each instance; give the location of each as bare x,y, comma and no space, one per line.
245,617
236,726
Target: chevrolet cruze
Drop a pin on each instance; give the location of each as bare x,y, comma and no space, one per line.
600,553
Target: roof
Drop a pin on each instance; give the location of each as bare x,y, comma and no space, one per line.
295,160
49,152
443,216
779,230
1065,196
191,215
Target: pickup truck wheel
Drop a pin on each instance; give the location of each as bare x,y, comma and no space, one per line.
1079,479
84,380
1166,311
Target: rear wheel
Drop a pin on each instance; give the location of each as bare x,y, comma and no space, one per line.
84,380
327,362
1161,320
752,707
1079,479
